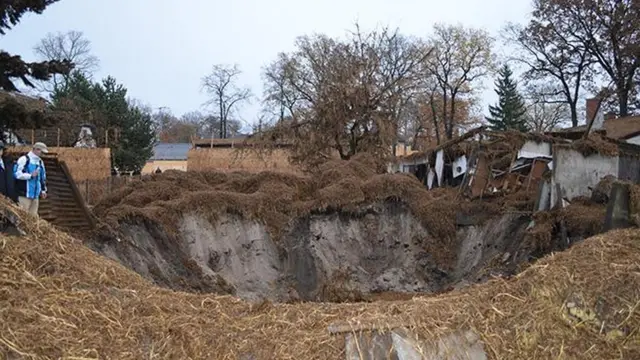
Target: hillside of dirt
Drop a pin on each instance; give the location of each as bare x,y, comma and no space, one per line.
58,299
344,233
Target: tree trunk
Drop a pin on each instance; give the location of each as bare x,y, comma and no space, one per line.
623,99
222,120
434,116
574,113
452,114
445,118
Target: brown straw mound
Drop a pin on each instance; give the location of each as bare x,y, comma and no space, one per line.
278,199
59,300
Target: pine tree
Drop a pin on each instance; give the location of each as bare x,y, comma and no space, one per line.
510,112
16,114
12,66
107,103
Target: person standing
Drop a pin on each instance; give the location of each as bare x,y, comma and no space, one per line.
31,179
5,176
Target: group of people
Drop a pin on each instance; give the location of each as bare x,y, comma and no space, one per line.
24,180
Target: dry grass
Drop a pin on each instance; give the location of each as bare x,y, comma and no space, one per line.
278,199
60,300
30,104
582,219
596,144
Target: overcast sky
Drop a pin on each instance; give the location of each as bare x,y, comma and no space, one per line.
160,49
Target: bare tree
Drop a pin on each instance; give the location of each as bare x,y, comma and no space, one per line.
280,97
460,58
72,45
544,113
225,94
608,30
343,96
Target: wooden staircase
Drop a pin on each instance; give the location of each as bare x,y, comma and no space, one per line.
64,207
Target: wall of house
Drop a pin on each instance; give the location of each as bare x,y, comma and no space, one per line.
151,165
576,173
532,149
229,159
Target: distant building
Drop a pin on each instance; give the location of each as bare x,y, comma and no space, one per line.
168,157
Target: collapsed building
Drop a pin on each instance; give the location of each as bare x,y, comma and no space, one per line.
556,165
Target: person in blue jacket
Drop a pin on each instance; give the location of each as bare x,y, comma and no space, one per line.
31,179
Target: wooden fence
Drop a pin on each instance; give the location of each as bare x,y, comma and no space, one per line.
93,190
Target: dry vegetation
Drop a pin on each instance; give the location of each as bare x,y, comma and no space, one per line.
58,300
278,199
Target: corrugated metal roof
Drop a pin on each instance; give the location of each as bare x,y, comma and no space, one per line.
166,151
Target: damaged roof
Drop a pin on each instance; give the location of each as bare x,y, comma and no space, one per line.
619,128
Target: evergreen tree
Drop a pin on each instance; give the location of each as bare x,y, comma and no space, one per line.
510,112
137,138
105,104
22,112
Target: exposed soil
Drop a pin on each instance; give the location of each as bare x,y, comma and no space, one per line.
342,234
60,300
378,252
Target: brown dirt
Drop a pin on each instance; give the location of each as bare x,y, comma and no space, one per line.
58,299
277,199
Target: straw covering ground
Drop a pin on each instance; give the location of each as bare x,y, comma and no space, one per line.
279,199
58,300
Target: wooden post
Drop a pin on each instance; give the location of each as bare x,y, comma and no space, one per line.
106,138
58,137
33,136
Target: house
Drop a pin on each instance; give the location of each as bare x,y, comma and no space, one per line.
168,156
625,129
559,168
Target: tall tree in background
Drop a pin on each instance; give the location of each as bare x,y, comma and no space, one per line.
72,45
342,96
15,114
171,129
554,61
461,57
105,104
510,112
608,30
135,144
280,97
225,94
544,113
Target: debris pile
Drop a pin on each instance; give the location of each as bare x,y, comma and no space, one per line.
485,162
58,300
277,199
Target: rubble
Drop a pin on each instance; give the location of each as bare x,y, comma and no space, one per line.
482,163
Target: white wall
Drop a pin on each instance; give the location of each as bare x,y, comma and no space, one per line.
576,173
532,149
634,140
